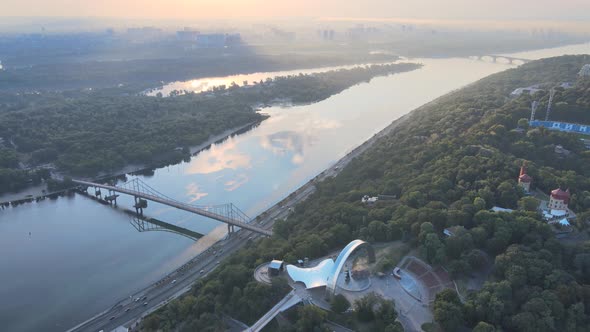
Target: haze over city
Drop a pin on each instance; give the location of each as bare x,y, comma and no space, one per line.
231,9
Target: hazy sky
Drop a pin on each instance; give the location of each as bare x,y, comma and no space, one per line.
432,9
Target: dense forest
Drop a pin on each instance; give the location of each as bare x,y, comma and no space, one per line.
87,132
449,163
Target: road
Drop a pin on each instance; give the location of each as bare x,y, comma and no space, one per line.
128,312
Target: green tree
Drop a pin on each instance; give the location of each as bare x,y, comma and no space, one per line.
479,203
528,203
448,311
484,327
364,307
339,303
310,318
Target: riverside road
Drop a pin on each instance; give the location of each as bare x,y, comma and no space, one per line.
129,312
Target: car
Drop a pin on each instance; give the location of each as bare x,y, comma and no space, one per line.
217,263
202,271
144,298
127,309
173,281
112,317
137,299
145,303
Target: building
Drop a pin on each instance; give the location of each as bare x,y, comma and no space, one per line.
218,40
327,272
559,199
187,34
585,71
501,209
524,180
561,151
275,267
531,90
369,200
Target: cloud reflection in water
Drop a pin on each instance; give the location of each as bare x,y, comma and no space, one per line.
219,157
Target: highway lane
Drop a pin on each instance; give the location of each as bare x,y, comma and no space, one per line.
164,290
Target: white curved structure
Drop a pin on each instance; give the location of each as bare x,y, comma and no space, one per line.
314,276
344,254
326,272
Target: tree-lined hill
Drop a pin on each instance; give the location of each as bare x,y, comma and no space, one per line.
448,163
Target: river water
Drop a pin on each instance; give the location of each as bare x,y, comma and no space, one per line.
65,260
204,84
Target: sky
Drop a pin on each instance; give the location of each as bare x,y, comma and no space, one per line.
215,9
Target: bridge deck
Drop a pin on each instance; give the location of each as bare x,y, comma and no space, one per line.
287,302
180,205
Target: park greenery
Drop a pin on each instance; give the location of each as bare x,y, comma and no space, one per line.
449,162
86,133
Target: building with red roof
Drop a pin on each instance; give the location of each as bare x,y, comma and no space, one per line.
559,199
524,180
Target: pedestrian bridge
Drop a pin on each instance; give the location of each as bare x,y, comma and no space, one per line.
226,213
287,302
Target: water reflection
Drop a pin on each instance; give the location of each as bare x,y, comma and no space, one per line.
220,157
194,192
204,84
143,224
235,183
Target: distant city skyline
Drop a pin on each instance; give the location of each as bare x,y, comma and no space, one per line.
231,9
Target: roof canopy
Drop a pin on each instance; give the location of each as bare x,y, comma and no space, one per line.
525,178
561,195
326,273
276,264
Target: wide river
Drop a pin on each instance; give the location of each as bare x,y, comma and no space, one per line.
65,260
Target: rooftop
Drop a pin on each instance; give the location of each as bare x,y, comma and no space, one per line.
560,194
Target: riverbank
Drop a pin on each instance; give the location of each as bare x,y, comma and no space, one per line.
206,261
34,193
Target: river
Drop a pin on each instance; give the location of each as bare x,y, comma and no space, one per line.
65,260
204,84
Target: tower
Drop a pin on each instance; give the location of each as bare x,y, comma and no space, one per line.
524,180
559,199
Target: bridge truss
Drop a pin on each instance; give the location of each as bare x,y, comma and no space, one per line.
141,191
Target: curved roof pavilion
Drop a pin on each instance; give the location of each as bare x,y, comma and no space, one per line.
327,271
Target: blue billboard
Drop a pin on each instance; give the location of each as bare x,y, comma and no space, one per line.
562,126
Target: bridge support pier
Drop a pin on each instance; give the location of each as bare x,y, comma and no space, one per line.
97,192
230,229
112,197
140,204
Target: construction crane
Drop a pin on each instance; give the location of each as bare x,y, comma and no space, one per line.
551,94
